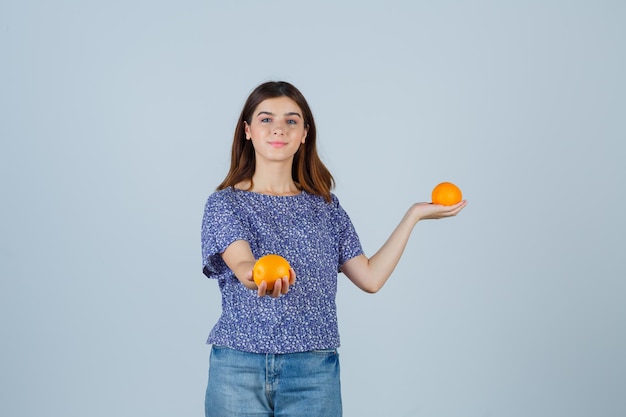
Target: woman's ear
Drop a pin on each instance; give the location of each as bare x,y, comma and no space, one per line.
246,129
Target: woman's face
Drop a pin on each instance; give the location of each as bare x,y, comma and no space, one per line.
276,129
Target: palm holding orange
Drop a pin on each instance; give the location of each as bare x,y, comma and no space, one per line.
447,201
273,275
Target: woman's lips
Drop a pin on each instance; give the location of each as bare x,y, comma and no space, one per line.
276,144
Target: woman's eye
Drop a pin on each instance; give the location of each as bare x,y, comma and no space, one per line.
265,120
292,122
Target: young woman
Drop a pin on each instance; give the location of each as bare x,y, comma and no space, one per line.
275,352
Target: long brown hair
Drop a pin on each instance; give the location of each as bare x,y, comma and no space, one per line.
308,171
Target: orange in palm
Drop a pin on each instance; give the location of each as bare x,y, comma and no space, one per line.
269,268
447,194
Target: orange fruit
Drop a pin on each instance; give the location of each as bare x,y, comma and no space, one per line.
269,268
447,194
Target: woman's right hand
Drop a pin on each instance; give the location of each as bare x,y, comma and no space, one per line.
239,258
281,286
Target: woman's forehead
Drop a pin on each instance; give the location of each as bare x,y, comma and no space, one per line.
278,105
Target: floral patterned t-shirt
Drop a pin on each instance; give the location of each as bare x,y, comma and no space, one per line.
315,236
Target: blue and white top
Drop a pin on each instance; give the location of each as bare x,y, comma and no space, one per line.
315,236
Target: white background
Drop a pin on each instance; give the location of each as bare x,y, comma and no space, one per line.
116,120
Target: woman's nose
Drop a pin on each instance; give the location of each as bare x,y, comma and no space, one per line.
279,129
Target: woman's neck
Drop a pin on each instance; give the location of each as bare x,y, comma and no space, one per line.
272,182
274,187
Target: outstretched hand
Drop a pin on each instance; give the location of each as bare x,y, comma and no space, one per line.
426,211
281,286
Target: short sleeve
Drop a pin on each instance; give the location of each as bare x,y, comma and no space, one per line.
221,225
348,239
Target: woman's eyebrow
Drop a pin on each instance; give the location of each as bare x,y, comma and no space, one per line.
293,113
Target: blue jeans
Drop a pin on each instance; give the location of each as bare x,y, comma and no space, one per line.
243,384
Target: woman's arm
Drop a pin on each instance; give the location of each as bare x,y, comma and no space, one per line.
371,274
239,258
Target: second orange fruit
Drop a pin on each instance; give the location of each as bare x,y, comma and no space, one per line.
447,194
270,268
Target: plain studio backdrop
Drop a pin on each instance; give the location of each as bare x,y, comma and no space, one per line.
116,120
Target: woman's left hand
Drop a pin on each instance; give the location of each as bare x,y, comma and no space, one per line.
428,211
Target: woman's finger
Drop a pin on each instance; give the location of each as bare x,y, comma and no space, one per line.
262,290
285,285
277,288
